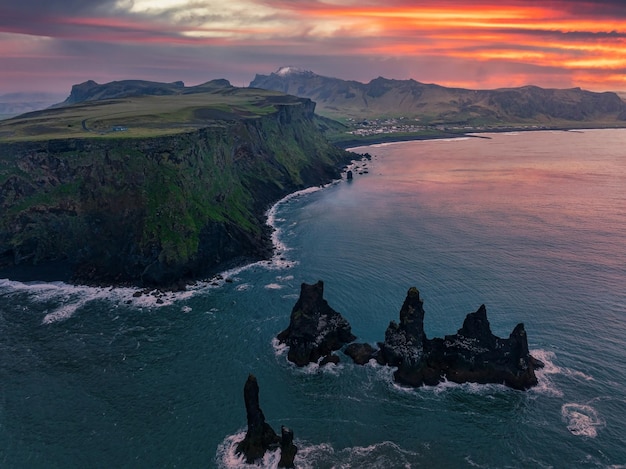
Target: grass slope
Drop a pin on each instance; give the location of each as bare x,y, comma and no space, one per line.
144,116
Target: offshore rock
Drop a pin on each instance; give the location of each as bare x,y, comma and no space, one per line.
287,449
315,329
473,354
361,353
260,436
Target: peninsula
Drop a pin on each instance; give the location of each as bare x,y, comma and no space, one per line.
153,183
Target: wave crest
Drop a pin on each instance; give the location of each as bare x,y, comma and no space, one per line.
581,419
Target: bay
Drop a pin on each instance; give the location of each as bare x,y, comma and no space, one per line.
532,224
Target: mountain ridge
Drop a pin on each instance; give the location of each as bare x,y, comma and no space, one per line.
436,104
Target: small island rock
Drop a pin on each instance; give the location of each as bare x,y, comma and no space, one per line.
315,329
260,436
473,354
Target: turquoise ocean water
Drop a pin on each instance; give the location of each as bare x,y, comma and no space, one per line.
533,225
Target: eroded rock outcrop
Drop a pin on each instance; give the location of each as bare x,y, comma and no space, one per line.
260,436
473,354
315,329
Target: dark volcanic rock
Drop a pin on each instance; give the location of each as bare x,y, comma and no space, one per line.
361,353
473,354
287,449
315,329
260,436
404,342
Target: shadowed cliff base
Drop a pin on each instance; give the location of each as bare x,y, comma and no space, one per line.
260,436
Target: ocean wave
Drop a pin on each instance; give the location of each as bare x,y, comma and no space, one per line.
272,219
72,298
226,456
544,375
581,419
280,349
328,369
379,455
309,456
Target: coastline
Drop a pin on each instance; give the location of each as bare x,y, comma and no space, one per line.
350,143
60,271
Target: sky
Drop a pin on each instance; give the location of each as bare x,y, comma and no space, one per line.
49,45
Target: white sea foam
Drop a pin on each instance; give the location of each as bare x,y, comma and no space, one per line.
309,456
279,348
581,419
71,298
226,456
273,286
279,246
544,375
380,455
74,297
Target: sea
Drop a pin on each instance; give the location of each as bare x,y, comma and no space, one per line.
531,224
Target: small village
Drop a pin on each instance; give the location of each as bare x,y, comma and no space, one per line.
405,125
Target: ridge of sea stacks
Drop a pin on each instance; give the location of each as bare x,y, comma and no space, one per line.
316,331
474,354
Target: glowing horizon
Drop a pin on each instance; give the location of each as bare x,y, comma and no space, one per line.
489,44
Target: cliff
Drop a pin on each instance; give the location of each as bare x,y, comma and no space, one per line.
155,210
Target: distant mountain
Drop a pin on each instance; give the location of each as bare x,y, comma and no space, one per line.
92,91
13,104
434,104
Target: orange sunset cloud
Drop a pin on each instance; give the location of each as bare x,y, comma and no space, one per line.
455,43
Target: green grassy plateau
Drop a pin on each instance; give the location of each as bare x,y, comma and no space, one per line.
144,116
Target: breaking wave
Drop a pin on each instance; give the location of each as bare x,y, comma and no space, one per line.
309,456
581,419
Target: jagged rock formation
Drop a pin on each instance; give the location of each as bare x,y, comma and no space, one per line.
315,329
260,436
473,354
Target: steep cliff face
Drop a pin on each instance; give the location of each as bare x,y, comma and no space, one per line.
157,210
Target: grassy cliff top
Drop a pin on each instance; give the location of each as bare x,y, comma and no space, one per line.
145,116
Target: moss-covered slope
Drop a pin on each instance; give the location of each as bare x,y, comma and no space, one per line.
160,209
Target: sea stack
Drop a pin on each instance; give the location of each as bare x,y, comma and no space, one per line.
315,329
260,436
474,354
